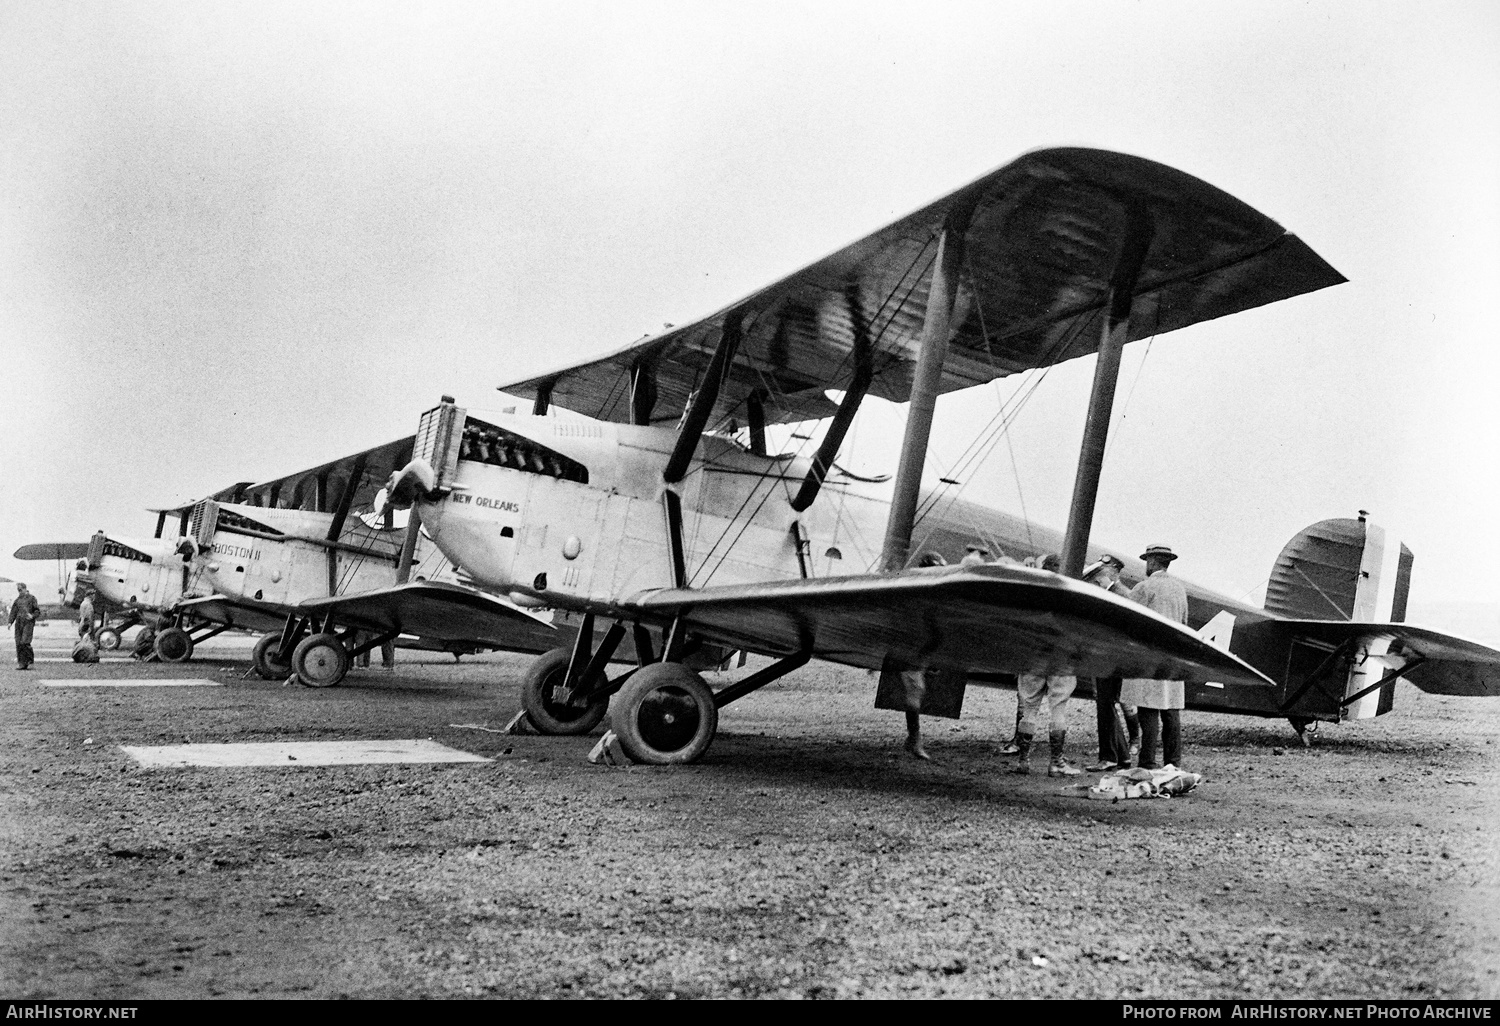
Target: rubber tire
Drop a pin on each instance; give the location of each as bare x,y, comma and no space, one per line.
320,661
173,645
549,717
664,715
107,639
263,658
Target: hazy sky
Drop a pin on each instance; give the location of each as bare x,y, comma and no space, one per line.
241,239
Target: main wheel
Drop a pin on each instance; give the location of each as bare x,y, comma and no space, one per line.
538,698
320,661
173,645
267,660
664,715
108,639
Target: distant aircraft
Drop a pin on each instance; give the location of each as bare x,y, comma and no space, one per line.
655,513
291,558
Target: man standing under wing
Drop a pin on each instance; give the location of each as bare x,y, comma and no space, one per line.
1160,701
1038,696
1114,746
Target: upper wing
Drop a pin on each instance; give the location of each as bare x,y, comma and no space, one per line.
1041,238
443,612
53,550
990,618
318,488
1451,666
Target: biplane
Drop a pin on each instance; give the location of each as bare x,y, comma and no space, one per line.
301,559
664,508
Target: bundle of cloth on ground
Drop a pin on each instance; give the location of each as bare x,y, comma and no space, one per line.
1144,783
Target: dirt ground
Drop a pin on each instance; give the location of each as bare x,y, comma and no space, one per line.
805,856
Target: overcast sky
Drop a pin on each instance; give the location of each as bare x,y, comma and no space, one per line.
241,239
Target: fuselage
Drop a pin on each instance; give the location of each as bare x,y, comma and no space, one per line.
570,513
283,557
272,559
146,574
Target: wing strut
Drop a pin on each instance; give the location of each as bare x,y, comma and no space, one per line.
755,413
642,392
336,528
688,435
864,370
703,402
408,545
926,381
543,399
1116,330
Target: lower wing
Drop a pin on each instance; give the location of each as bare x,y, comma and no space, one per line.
977,619
441,612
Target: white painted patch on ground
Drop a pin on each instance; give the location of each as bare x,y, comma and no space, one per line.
297,753
104,657
138,682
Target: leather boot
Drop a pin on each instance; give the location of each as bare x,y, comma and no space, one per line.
1023,753
1012,746
1059,766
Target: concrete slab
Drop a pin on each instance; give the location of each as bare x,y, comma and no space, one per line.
297,753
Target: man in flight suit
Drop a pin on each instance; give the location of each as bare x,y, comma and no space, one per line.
24,613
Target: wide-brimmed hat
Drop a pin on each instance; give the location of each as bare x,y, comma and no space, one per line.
1161,552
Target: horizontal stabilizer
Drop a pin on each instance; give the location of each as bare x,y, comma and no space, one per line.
53,550
441,612
1451,665
992,618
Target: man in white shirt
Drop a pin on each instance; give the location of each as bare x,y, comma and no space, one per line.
1160,701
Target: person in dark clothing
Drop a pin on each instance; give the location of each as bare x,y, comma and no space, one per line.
24,613
1114,746
916,685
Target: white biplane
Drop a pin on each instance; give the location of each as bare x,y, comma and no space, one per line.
652,513
301,559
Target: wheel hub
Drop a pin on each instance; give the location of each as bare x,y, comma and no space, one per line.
668,719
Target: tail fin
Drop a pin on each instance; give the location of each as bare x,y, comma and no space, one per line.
1341,569
1347,570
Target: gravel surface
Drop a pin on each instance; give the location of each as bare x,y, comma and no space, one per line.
805,856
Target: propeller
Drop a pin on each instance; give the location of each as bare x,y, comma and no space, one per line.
404,486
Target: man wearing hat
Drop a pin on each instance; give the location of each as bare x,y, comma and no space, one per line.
1160,701
1114,746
